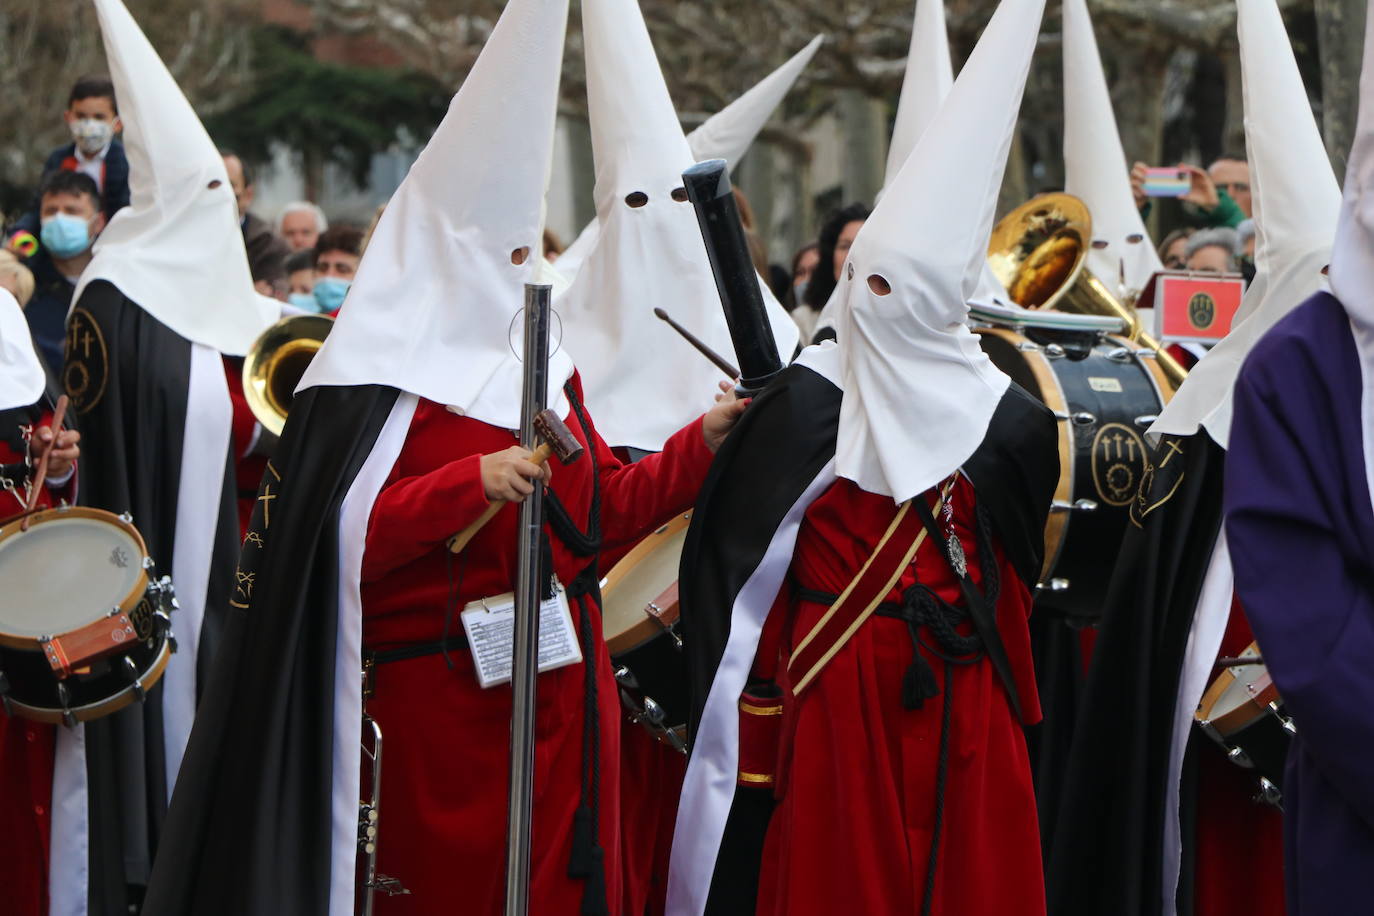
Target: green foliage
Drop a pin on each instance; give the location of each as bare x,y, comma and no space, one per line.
327,112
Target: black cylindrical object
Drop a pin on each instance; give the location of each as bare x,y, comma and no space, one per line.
708,188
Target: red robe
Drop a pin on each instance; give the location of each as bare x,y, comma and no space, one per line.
853,827
442,832
248,468
1238,842
26,762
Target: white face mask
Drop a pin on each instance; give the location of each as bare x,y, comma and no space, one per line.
92,136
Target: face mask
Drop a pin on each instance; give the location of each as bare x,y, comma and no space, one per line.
92,135
330,292
799,291
65,236
304,301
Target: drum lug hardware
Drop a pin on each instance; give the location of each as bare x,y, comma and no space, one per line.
1083,418
389,886
1146,421
135,678
1054,585
1147,354
64,697
1269,794
1054,351
625,677
1239,758
163,625
1119,354
1029,346
1285,721
653,713
126,518
148,564
655,613
1078,505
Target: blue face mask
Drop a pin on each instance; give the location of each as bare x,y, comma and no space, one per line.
304,301
65,236
330,292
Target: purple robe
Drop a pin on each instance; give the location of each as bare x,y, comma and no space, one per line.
1301,532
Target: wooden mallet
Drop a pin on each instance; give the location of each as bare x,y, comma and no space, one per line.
555,439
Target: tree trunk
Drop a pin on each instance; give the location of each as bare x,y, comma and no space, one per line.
863,120
1340,39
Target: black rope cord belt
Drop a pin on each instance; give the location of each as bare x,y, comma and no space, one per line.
416,650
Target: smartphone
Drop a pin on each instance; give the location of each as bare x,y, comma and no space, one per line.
1167,181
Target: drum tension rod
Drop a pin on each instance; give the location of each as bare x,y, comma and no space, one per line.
64,697
135,678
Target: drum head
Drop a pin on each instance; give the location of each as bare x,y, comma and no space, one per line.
1238,697
644,574
68,569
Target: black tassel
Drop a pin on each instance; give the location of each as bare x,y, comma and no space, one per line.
584,848
918,684
594,893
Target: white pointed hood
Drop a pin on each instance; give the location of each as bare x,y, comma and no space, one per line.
918,390
927,82
1095,167
1297,205
929,77
1352,260
727,135
642,379
433,309
177,249
730,132
21,374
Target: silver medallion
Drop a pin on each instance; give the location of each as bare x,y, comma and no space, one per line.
957,558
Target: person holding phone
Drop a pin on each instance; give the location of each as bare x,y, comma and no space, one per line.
1219,196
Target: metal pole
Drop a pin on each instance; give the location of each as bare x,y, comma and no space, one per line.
528,589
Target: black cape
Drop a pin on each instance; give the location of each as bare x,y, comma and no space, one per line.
249,830
780,446
1106,853
127,376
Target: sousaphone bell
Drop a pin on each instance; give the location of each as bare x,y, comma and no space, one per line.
1039,251
275,364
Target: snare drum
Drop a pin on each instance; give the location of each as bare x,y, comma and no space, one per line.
1105,392
639,611
84,625
1242,712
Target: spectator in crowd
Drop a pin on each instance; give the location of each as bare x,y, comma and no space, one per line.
337,254
70,219
15,277
266,253
300,225
804,264
553,245
93,119
1173,251
1213,251
300,280
1245,249
1219,196
1230,175
832,248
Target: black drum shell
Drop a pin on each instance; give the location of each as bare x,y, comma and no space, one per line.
1105,396
31,683
660,669
1265,743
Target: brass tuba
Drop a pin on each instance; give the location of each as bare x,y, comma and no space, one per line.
275,364
1039,251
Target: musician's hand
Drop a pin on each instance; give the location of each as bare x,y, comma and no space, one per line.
64,453
507,475
719,420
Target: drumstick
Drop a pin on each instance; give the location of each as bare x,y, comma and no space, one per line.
42,475
721,362
1226,662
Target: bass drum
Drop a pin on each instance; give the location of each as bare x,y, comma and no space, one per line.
1105,392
